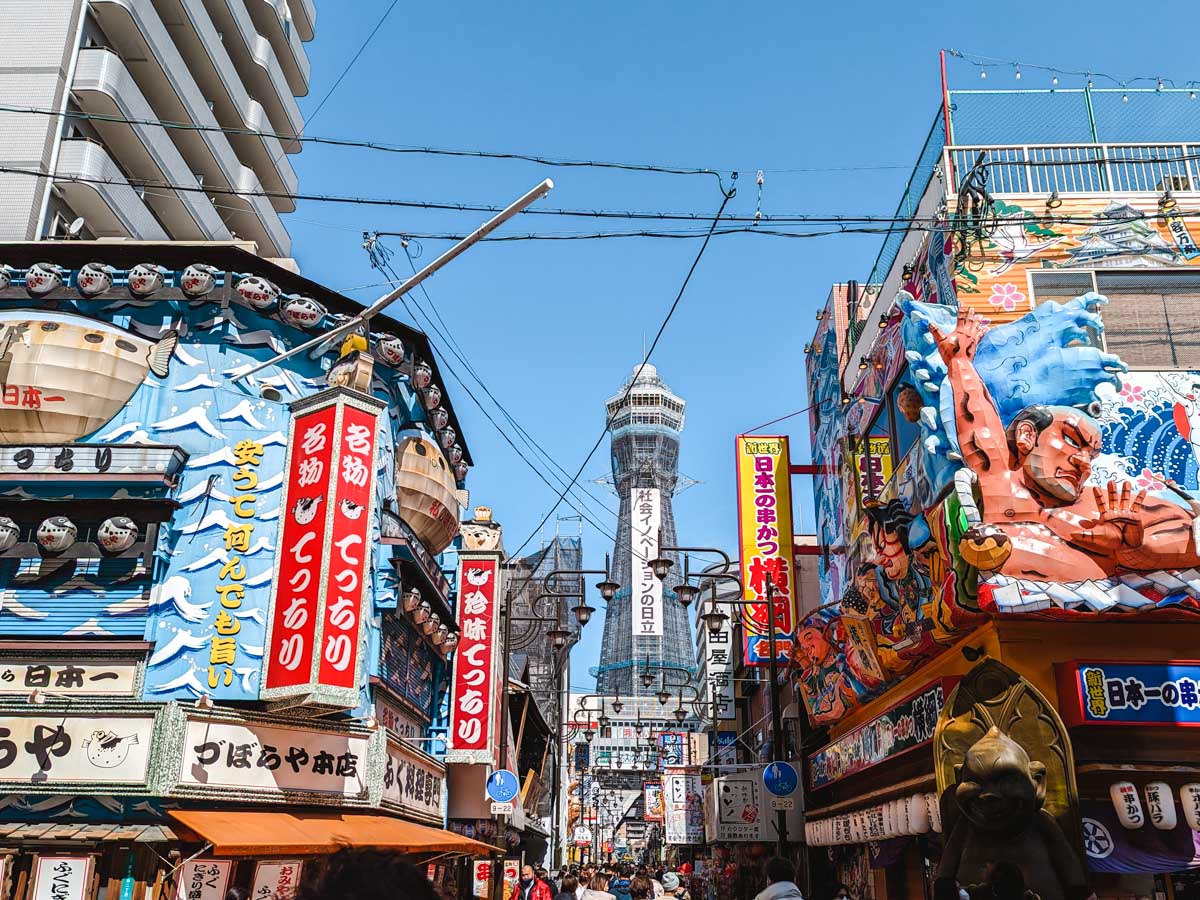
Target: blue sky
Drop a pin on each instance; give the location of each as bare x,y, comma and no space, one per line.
844,92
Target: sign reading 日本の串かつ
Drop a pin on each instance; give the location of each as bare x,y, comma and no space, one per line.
1115,692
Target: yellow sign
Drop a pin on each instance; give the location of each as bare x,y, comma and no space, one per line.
765,541
873,463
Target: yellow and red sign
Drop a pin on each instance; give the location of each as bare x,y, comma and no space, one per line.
765,541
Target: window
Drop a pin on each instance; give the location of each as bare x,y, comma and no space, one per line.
903,401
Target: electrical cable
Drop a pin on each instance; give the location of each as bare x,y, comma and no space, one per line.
350,65
985,62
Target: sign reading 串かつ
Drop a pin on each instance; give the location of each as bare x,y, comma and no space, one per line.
47,749
1130,693
647,590
765,538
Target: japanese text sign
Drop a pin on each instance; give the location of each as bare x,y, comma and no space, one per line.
765,542
61,878
646,594
481,877
653,799
117,677
683,799
1130,693
276,879
324,550
718,668
414,783
475,702
203,879
50,748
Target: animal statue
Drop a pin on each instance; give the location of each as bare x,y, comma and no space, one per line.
999,796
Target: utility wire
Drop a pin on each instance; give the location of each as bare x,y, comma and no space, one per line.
985,62
350,65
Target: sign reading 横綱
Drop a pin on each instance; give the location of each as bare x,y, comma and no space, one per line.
646,593
276,879
908,724
316,621
475,702
1114,692
765,540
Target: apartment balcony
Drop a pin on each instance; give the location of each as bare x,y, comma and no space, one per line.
201,46
138,34
304,15
257,64
101,194
104,86
273,19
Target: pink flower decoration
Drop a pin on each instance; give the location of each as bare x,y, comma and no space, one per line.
1132,393
1006,297
1150,481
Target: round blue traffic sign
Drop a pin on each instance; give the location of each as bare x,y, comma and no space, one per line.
780,779
502,786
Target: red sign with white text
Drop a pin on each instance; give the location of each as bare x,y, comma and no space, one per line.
301,546
475,701
353,488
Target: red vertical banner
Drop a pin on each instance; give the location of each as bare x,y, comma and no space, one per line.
323,556
475,702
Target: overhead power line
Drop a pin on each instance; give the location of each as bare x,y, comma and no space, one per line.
987,62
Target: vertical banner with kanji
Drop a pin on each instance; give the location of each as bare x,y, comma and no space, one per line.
315,625
475,701
765,541
718,668
646,594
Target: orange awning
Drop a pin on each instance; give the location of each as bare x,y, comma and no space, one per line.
271,833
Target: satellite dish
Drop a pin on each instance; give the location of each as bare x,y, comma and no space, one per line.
75,227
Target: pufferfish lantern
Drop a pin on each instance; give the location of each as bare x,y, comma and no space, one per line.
391,350
449,644
447,436
198,280
439,418
9,532
93,279
42,278
422,374
6,275
431,397
259,293
145,279
56,534
117,534
301,312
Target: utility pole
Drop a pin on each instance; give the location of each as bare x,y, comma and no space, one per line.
776,716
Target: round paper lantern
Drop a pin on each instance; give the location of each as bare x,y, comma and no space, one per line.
56,534
1128,804
918,814
1189,798
1160,805
935,812
145,279
890,826
9,532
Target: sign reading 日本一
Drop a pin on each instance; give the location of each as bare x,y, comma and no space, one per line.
1130,693
647,590
908,724
474,705
765,538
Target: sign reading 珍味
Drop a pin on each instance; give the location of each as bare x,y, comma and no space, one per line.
315,627
908,724
646,595
475,702
1115,692
765,541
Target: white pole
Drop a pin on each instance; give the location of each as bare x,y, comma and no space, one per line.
387,299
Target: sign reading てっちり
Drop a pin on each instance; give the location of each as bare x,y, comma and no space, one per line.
475,702
1116,692
315,624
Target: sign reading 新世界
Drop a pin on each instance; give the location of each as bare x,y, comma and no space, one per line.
906,725
44,749
1114,692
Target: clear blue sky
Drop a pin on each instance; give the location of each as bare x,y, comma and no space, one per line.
554,328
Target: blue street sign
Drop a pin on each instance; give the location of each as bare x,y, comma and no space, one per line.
502,786
780,779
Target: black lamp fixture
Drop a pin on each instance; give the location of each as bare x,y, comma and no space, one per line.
680,715
647,675
558,636
603,720
583,612
686,594
714,619
617,705
607,588
663,694
1053,201
639,726
589,735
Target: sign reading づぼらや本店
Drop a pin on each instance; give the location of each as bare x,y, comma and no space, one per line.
1118,692
907,725
764,481
414,783
315,625
475,701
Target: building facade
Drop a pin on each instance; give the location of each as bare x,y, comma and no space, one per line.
1006,497
645,420
93,77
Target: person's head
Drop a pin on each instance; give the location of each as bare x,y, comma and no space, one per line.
780,869
1006,881
888,525
364,875
570,884
640,888
527,874
670,881
812,643
237,893
841,892
1054,447
599,882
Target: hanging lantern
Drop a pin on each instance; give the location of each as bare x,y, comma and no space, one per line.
1160,805
42,278
391,350
1128,804
198,280
460,471
447,437
431,396
93,279
439,636
422,613
449,644
6,274
412,599
145,279
258,292
301,312
439,418
422,374
56,534
934,809
455,454
117,534
1189,798
918,814
9,532
430,625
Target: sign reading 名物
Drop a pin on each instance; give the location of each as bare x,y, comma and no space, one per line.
765,541
82,679
315,625
276,879
50,748
683,801
203,879
61,878
646,596
475,702
271,760
908,724
1129,693
414,783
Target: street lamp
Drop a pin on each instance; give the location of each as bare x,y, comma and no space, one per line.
680,715
583,612
663,694
617,705
647,675
589,735
558,636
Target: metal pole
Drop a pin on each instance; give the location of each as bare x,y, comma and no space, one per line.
501,830
776,717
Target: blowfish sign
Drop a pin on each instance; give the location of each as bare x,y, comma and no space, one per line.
765,541
647,618
474,706
324,550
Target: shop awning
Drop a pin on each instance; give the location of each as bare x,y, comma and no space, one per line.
272,833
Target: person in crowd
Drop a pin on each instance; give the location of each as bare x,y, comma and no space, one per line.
530,887
673,887
364,875
237,893
640,888
619,885
781,881
569,889
842,892
585,877
597,888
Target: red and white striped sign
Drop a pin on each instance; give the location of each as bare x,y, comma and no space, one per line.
475,703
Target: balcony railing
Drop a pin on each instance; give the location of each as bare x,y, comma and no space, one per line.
1080,168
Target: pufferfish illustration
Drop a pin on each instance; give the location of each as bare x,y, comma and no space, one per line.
305,509
351,510
391,350
198,280
258,292
9,532
42,278
301,312
478,577
93,279
107,749
56,534
117,534
6,275
84,370
145,279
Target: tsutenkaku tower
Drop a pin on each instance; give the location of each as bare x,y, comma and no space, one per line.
645,431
